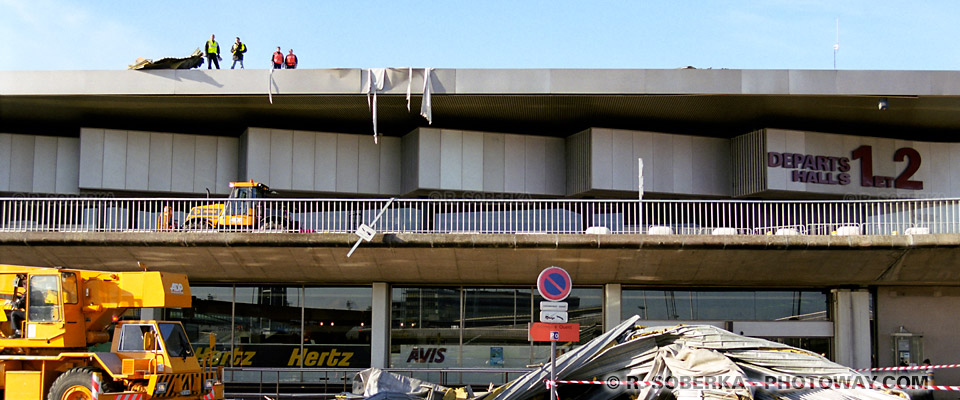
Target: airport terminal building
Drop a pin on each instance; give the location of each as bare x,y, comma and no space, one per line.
815,208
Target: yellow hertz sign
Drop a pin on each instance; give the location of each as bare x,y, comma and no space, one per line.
331,358
327,357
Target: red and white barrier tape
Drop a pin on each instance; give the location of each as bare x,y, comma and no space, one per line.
913,368
806,385
95,386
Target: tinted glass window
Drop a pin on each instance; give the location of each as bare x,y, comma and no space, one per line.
175,340
43,303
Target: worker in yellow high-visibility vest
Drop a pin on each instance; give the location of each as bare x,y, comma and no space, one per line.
238,49
212,48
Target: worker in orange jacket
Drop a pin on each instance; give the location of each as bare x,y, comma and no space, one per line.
278,59
291,60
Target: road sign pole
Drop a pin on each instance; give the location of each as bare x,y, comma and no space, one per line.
553,370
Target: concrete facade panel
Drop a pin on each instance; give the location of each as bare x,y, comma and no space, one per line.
257,157
899,306
391,166
368,166
22,150
138,160
693,81
91,158
281,159
161,162
410,157
493,162
68,161
765,82
683,165
883,82
114,159
347,163
601,158
471,174
205,164
623,164
45,165
228,154
325,162
451,159
813,82
5,149
597,81
428,159
712,166
304,153
514,162
184,157
534,179
643,148
503,81
662,163
555,167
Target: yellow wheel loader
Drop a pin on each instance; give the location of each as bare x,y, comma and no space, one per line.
52,316
246,209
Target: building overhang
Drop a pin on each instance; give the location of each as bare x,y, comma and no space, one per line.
921,105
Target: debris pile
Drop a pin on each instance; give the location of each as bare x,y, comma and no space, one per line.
684,362
193,61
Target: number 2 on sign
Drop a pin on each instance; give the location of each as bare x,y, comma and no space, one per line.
867,179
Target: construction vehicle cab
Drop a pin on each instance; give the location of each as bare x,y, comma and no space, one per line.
244,210
45,353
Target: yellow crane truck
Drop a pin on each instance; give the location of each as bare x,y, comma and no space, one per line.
52,317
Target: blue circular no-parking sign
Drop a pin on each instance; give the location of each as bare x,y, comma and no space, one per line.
554,284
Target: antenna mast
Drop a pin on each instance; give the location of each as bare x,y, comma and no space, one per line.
836,46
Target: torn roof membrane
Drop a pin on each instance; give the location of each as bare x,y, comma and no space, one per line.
193,61
690,362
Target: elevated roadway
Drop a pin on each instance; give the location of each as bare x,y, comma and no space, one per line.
505,259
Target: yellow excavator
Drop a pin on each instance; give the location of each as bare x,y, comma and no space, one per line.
52,317
246,209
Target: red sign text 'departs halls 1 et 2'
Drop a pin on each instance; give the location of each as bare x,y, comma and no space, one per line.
831,170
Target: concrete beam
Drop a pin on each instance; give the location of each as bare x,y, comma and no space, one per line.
775,261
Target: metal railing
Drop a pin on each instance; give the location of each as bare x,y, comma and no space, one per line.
327,382
684,217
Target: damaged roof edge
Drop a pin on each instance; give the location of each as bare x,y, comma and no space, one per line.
487,81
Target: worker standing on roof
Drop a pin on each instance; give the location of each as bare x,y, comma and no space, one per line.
213,52
238,49
291,60
278,59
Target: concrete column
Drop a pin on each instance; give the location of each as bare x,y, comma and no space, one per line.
611,305
380,326
851,327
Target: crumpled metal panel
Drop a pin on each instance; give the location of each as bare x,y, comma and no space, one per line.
657,353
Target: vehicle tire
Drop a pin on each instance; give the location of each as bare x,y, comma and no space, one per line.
195,225
271,226
73,384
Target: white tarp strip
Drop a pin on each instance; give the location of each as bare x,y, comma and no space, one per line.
409,86
270,86
376,78
426,108
375,82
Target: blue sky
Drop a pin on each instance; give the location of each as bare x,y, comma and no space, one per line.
774,34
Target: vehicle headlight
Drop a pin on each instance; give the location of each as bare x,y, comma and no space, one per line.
208,384
161,388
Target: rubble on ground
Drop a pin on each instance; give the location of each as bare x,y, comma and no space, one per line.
695,361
